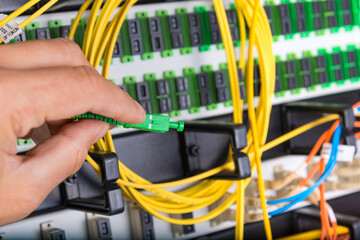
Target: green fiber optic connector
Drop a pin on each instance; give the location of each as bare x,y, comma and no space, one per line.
157,123
153,123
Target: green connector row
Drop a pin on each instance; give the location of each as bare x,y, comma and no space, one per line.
304,17
323,69
184,30
170,94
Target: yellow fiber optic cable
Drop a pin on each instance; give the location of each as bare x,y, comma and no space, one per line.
18,12
77,19
298,131
101,24
94,165
242,30
105,14
93,13
239,225
37,13
230,54
97,146
240,203
32,17
252,119
240,210
90,26
206,217
99,52
110,48
103,145
315,234
237,102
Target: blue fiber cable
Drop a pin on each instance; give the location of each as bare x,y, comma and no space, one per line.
329,168
321,179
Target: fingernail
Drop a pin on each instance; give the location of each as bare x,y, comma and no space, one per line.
140,107
102,132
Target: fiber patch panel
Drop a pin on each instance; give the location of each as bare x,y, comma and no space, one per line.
167,30
198,55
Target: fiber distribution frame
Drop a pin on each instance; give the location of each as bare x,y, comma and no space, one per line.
312,61
171,58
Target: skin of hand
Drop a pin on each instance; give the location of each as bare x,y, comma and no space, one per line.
42,83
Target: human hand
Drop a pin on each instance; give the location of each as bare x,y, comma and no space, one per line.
46,81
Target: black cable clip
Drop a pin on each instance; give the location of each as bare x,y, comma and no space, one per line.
103,197
298,113
198,140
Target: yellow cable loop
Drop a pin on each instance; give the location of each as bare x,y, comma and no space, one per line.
206,192
169,195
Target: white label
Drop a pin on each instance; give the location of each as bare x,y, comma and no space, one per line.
345,152
10,30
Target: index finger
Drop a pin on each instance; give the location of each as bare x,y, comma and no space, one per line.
42,54
56,93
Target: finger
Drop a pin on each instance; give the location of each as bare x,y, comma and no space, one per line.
42,54
63,154
51,162
58,93
28,135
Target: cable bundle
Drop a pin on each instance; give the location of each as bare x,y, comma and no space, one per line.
102,30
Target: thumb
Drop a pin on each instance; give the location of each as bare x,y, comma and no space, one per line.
62,155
